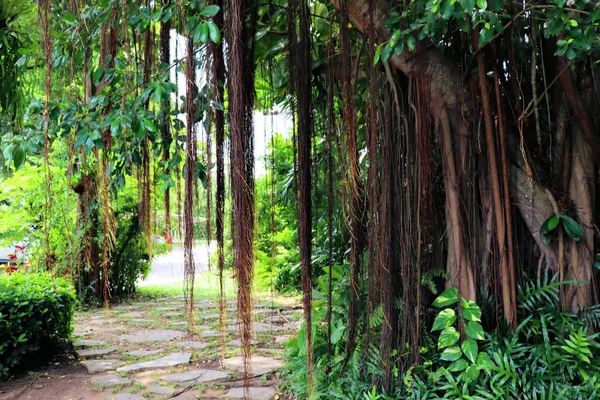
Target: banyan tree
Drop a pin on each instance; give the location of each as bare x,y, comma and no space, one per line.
445,143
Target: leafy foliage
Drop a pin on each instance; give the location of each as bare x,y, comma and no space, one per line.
35,317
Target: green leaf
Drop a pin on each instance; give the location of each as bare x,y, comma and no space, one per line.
213,32
448,337
377,55
444,319
470,349
149,125
482,4
411,42
468,5
98,74
452,353
458,365
387,52
203,38
19,157
553,222
474,330
471,373
448,297
210,11
470,310
572,228
573,23
69,17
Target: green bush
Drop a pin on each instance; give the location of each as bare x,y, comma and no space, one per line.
35,315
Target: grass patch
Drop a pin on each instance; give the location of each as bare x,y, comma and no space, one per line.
206,287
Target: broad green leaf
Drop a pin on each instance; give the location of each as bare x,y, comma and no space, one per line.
98,74
470,310
458,365
467,5
474,330
572,228
444,319
149,125
19,157
482,4
449,297
452,353
203,33
210,11
470,349
377,55
553,222
485,362
213,32
471,373
448,337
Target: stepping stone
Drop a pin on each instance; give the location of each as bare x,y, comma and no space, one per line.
257,327
256,393
171,360
277,319
260,365
133,314
192,345
144,353
95,366
95,352
108,381
165,309
160,390
172,314
139,320
154,335
88,343
78,334
211,375
180,323
238,343
183,377
124,396
211,334
282,339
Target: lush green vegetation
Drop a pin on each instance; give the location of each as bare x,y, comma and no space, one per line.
435,202
35,318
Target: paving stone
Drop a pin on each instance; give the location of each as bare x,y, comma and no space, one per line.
183,376
153,335
180,323
78,334
165,309
160,390
88,343
192,345
282,339
144,353
211,375
256,393
133,314
260,365
108,381
172,314
168,361
124,396
257,327
140,320
238,343
211,334
95,366
95,352
277,319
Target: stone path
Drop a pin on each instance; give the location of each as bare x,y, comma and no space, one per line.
145,350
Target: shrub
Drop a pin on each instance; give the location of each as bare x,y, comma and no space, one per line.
35,314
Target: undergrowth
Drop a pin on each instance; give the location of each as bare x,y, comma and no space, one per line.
550,355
